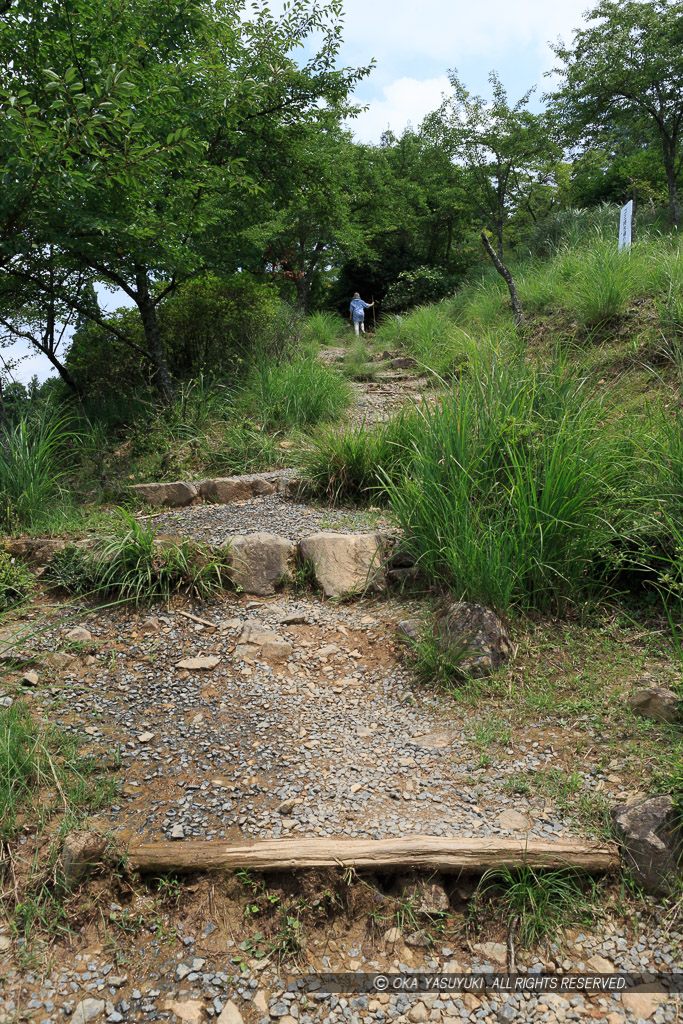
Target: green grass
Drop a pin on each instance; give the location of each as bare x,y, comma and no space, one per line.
33,460
353,465
137,564
16,581
42,773
515,489
301,393
537,905
323,329
429,334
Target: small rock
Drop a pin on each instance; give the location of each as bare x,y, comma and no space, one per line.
409,628
191,1010
418,1013
146,737
173,495
392,936
230,1014
492,951
346,563
225,489
600,965
79,634
403,363
260,1001
287,806
418,940
475,637
259,562
86,1010
203,663
643,1005
177,832
657,703
514,821
5,943
82,851
649,832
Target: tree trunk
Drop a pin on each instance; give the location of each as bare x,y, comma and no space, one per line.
4,423
517,310
63,372
303,291
672,186
155,347
427,853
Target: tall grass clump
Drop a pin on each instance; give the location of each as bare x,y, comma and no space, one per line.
430,334
606,281
353,465
33,459
516,492
294,394
323,328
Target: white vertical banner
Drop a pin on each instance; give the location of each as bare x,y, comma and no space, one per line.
625,225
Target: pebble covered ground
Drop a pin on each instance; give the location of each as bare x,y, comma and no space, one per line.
315,729
270,513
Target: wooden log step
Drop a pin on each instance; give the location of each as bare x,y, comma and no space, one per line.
424,853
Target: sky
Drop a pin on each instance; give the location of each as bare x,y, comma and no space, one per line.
414,46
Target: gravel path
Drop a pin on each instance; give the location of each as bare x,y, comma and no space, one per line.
273,513
336,726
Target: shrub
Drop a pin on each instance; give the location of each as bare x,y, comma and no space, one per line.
298,393
16,581
210,325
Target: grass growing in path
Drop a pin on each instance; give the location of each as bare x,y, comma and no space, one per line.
300,393
537,905
516,491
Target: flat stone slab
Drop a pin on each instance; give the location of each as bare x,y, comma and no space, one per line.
173,495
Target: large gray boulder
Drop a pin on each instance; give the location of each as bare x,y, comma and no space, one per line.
649,831
225,489
346,563
474,637
258,562
173,495
657,703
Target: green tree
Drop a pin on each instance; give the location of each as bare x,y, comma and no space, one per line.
626,69
508,152
209,99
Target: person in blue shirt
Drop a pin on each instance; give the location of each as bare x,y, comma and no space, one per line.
357,312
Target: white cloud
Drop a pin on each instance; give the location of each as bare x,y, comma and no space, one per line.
450,32
405,100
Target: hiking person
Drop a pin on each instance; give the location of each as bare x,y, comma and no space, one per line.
357,312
